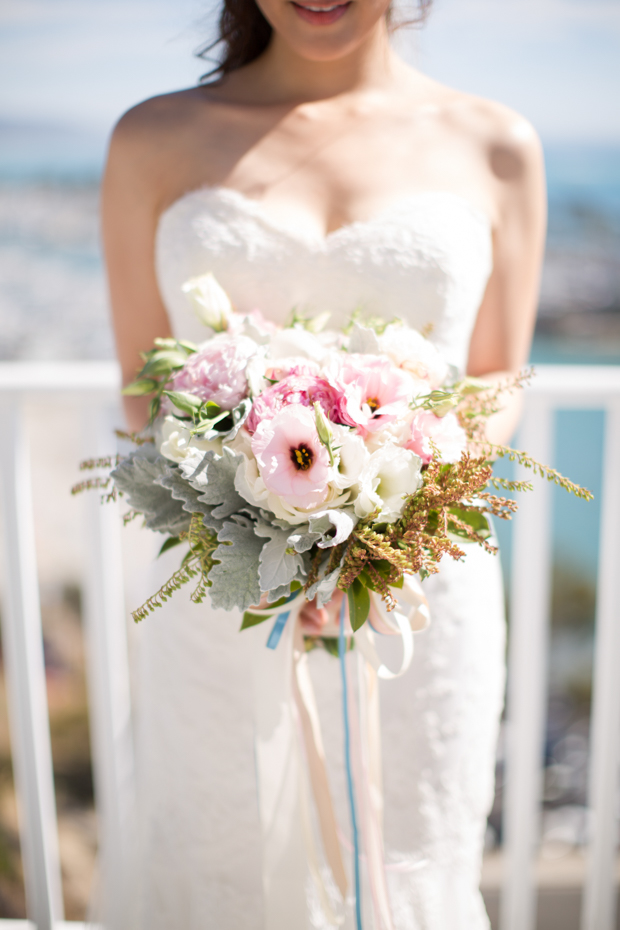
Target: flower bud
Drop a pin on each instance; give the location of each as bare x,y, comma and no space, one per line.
324,429
210,300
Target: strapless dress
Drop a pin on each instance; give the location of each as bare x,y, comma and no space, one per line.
426,259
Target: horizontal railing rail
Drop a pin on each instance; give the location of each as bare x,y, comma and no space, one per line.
96,385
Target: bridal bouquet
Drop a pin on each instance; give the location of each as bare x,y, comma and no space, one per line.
299,460
294,462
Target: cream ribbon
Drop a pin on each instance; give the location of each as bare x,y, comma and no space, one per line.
288,733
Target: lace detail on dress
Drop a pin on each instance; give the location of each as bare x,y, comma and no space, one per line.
425,259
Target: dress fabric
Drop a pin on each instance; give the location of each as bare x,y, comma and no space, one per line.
425,259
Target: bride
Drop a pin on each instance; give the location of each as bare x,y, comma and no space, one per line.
316,170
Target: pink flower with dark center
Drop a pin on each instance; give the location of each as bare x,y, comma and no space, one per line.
296,388
291,459
445,432
374,393
217,370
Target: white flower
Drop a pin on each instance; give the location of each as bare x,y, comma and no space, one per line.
389,475
177,443
351,455
295,515
210,300
296,342
408,349
255,374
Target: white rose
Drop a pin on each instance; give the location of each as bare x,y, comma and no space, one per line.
295,515
408,349
177,443
351,456
210,300
390,474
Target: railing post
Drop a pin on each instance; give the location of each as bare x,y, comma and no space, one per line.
109,686
25,673
527,674
599,899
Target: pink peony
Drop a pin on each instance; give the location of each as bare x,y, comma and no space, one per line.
296,388
374,393
445,432
217,370
291,459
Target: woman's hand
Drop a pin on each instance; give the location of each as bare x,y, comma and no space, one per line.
314,619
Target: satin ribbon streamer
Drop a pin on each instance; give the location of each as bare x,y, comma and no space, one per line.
290,754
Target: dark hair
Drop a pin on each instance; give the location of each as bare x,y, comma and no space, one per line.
244,34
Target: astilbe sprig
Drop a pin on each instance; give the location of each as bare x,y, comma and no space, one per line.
197,564
545,471
100,483
476,407
417,541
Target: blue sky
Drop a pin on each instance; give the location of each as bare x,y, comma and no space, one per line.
85,61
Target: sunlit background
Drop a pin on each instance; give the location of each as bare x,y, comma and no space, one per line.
68,69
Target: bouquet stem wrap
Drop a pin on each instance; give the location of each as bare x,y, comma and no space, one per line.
290,761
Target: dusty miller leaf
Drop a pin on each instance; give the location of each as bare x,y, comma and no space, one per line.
137,477
220,488
181,490
234,581
278,567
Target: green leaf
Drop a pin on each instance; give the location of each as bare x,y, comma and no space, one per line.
204,425
189,347
330,645
154,406
140,387
184,401
474,518
250,619
212,408
359,604
164,362
169,543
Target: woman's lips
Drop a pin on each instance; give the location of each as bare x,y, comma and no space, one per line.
321,14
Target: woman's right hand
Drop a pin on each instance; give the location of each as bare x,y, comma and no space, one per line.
314,619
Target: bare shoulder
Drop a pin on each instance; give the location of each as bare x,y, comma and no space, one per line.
498,149
506,140
143,129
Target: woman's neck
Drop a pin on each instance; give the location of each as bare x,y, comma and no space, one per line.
281,76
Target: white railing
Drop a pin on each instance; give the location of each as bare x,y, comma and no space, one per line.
96,384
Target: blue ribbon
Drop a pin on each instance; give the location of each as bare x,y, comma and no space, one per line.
277,630
347,754
278,627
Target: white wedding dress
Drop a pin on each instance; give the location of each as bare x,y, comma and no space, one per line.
425,259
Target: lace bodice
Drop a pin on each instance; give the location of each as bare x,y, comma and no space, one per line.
426,259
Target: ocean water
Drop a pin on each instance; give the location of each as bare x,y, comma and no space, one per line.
53,302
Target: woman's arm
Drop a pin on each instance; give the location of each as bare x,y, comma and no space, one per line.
131,202
503,332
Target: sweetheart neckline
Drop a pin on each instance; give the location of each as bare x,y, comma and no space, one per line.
256,208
